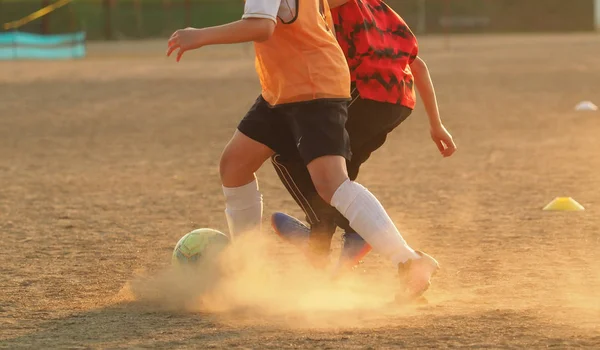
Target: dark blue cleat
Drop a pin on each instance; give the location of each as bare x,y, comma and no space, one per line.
354,248
290,229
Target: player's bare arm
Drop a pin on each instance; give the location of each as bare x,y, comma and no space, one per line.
245,30
424,84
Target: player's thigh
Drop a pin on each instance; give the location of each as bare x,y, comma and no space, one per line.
241,158
369,123
328,173
322,142
369,119
251,145
297,180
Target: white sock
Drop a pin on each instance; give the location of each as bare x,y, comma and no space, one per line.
243,208
368,217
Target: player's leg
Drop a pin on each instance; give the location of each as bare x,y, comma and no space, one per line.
243,201
368,217
251,145
323,219
323,143
367,134
320,215
369,123
316,240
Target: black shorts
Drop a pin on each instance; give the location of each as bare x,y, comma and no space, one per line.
369,123
310,129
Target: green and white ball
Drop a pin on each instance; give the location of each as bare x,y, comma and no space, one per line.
199,246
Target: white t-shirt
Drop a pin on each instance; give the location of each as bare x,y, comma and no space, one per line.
271,9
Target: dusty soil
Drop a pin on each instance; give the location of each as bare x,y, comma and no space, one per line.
106,162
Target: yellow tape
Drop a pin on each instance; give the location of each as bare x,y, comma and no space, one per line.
37,14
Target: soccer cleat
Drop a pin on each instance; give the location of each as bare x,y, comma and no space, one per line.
354,248
290,229
416,276
296,232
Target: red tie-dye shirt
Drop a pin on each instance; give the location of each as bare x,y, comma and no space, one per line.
379,47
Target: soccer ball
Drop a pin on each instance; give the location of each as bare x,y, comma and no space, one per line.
198,247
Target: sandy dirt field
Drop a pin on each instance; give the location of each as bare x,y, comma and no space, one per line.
106,162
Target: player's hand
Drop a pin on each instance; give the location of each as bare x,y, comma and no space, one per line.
182,41
443,140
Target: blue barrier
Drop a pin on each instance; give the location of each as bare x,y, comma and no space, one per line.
18,45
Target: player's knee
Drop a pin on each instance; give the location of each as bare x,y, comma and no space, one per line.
234,170
327,185
225,167
324,192
240,159
327,174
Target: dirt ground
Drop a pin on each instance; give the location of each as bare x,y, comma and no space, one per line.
106,162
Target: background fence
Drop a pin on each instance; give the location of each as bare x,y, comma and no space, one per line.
117,19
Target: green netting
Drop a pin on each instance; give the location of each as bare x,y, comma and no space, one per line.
131,19
123,18
158,18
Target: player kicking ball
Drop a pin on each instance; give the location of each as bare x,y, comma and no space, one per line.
302,110
382,55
